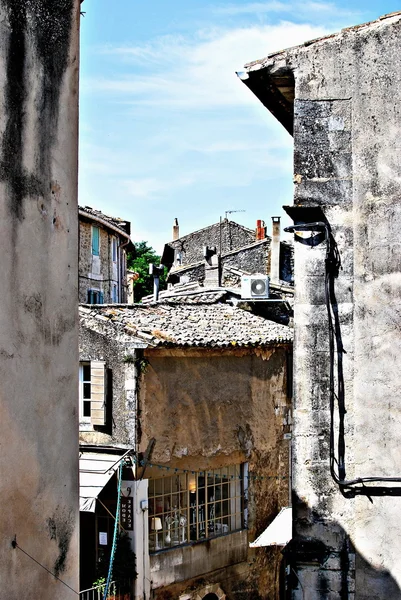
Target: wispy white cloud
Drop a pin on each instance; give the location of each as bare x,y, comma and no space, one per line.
197,73
151,188
180,134
298,9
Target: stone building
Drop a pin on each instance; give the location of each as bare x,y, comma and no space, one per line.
39,58
220,254
198,394
339,97
103,245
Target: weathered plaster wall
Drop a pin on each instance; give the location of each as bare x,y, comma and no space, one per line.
348,161
180,564
99,272
121,369
210,408
38,318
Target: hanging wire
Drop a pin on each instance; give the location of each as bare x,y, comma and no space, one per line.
249,476
15,544
348,487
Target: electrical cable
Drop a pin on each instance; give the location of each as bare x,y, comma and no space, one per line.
116,525
15,544
348,487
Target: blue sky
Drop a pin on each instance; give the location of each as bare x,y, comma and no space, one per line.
167,129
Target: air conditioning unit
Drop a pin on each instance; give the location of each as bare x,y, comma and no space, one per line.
254,286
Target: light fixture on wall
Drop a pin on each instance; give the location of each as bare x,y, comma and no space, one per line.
192,484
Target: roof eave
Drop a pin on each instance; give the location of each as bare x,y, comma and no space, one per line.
263,86
103,222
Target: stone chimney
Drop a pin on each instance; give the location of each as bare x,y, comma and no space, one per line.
275,251
212,267
260,230
176,230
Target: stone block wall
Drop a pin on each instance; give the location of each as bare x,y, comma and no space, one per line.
98,273
347,162
233,236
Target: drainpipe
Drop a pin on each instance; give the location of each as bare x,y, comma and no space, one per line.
120,291
275,251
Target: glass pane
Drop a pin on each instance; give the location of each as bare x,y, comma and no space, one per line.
87,409
225,490
158,486
86,369
87,391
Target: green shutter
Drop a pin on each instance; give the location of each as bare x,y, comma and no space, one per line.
95,241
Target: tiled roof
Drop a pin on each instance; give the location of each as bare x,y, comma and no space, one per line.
197,296
115,221
201,325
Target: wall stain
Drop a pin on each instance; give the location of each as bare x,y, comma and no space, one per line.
46,24
61,527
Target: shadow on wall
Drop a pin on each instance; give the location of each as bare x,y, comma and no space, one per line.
321,553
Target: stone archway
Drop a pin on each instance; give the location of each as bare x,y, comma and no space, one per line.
210,592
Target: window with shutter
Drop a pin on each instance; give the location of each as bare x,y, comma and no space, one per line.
85,392
98,393
95,241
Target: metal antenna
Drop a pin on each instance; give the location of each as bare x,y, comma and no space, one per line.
228,212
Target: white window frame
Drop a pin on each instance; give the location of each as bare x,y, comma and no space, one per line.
82,400
182,509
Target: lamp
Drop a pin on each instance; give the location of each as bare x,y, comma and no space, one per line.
156,525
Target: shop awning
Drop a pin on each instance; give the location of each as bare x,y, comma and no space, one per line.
278,533
95,470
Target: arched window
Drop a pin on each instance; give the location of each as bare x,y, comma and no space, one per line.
210,597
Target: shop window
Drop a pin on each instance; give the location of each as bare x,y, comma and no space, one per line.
190,507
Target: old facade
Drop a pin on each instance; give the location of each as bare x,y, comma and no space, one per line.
39,58
340,98
103,244
219,255
199,395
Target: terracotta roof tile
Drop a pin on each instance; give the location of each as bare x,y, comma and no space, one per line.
200,325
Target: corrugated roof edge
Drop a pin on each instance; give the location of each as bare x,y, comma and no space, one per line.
259,62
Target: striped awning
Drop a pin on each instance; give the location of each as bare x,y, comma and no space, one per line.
95,470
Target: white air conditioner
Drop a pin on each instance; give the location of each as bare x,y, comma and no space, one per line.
254,286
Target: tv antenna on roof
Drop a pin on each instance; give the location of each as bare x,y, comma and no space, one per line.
228,212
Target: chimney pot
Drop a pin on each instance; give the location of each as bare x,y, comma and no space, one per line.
176,230
275,250
260,230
